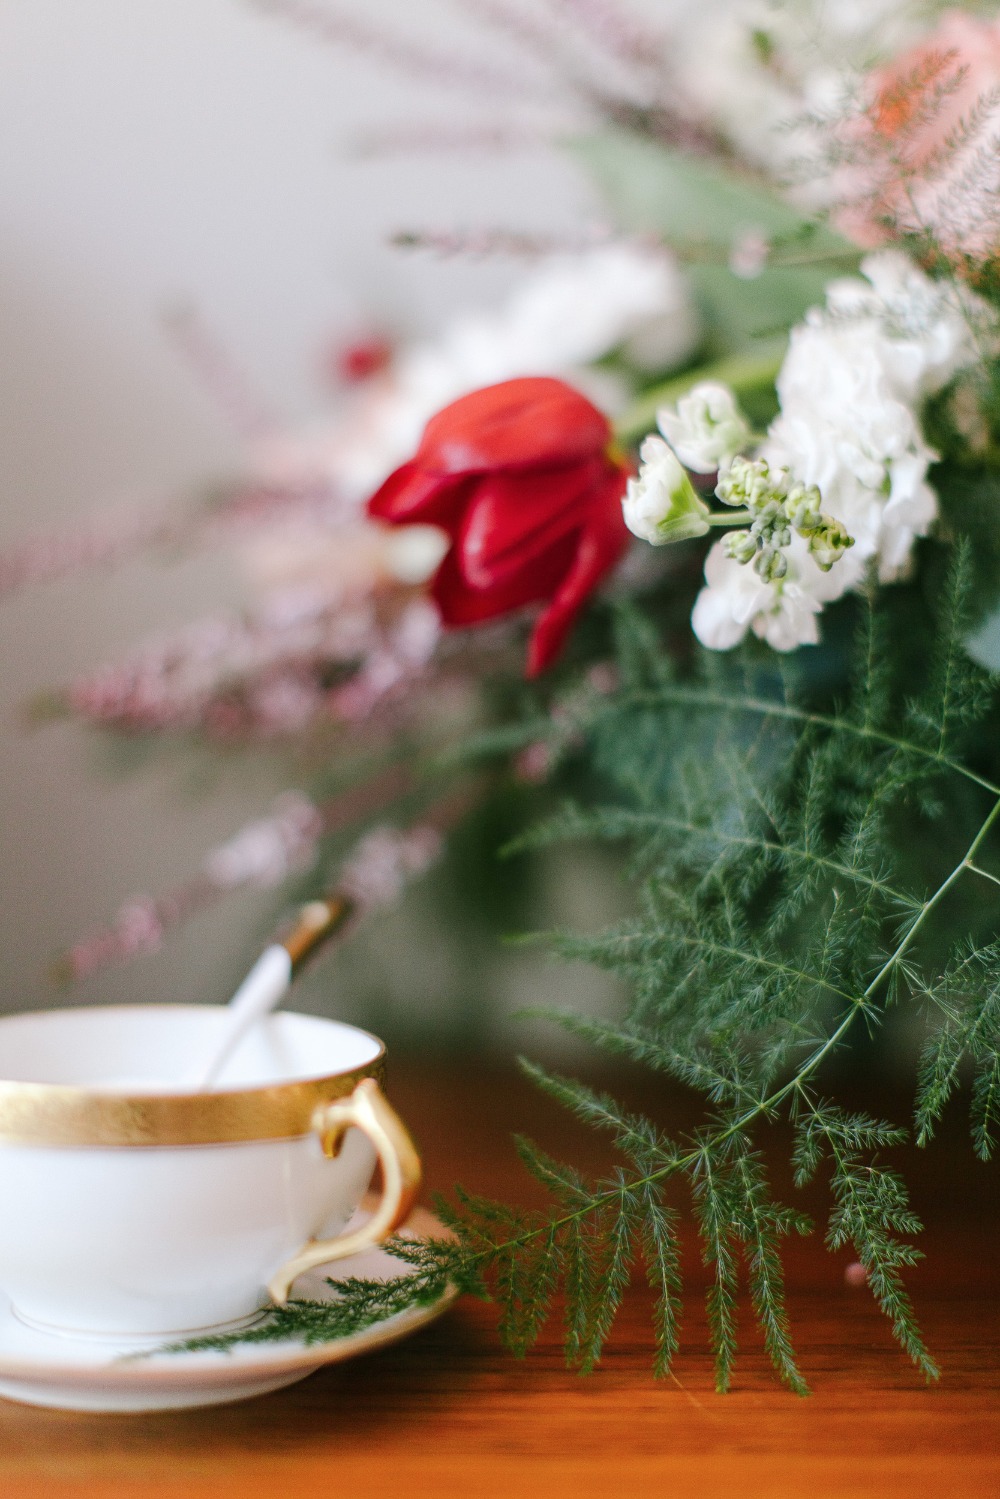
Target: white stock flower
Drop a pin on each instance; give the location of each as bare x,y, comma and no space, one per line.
736,599
660,504
575,308
850,390
707,430
843,429
926,329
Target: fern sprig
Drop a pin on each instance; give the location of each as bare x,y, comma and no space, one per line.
780,911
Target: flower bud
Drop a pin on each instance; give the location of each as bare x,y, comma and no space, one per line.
828,543
660,503
707,429
741,546
771,565
753,484
802,508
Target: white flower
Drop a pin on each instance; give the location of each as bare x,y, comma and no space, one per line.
575,308
759,67
413,553
843,428
660,504
736,599
850,390
571,310
707,430
926,330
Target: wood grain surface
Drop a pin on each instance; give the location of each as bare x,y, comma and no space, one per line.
449,1413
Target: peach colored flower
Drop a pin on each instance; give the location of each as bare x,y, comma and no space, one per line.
926,158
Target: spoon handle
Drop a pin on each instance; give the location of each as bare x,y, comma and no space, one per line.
269,979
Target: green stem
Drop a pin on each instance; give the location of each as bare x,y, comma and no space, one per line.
698,698
765,1106
728,518
746,374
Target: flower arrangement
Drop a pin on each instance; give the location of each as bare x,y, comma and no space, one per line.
793,342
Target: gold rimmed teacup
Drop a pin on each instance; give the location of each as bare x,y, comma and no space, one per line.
131,1209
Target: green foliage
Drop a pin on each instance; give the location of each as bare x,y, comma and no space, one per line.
781,907
701,208
436,1268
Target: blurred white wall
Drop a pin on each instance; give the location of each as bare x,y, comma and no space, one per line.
150,153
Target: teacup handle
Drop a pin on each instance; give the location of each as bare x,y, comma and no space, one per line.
368,1109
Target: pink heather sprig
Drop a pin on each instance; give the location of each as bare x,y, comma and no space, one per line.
542,40
232,390
336,27
535,763
105,541
520,25
401,657
261,856
111,539
487,241
244,508
266,852
440,136
266,673
579,44
614,29
384,861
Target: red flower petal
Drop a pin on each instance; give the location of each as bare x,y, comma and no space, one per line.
461,604
601,542
517,424
413,495
512,518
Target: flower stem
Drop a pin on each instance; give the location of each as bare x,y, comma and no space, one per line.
766,1106
747,375
728,518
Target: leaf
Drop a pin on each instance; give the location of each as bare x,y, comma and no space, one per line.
703,207
795,864
713,1206
661,1253
762,1224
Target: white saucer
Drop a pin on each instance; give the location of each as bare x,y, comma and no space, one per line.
41,1368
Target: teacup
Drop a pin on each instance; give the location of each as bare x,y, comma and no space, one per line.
132,1210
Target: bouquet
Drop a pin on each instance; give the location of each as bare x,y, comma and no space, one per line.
698,533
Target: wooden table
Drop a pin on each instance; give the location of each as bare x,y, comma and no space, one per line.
449,1413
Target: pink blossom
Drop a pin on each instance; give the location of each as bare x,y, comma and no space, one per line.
534,762
267,851
384,860
302,657
262,855
926,162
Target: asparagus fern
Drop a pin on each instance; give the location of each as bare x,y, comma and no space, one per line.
780,909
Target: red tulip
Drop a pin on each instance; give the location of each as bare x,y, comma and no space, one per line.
525,479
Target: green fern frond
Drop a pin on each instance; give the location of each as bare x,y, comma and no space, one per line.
798,869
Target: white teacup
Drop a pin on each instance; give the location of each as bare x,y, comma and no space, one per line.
128,1210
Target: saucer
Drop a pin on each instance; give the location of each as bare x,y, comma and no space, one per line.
42,1368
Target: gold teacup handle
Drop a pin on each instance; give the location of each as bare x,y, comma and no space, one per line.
367,1109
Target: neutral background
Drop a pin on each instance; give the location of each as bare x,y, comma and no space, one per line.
196,151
